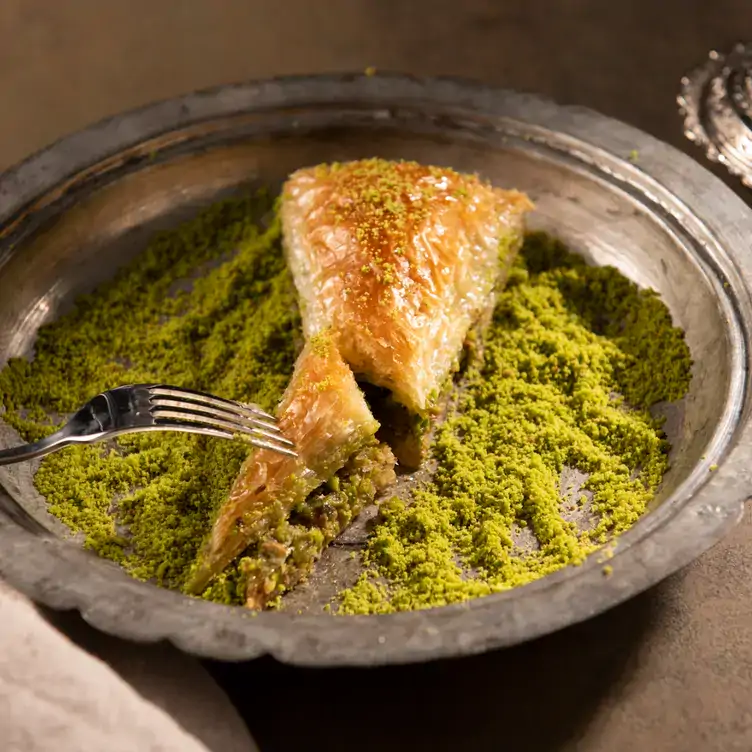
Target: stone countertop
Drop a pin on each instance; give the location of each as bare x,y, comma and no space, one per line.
672,669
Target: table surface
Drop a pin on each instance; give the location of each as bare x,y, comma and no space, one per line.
670,670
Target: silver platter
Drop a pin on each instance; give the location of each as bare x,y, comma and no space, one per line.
715,100
70,215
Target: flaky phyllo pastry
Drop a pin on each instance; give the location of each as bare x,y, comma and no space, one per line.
394,263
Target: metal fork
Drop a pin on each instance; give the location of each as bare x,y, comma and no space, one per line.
158,407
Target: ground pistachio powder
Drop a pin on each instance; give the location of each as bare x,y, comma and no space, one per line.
569,348
148,501
574,357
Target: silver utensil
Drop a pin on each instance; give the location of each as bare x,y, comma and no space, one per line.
158,407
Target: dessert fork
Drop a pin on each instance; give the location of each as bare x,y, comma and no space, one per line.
158,407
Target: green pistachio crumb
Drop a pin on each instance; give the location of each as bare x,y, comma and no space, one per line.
565,338
566,378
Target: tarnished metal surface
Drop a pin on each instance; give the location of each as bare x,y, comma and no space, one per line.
73,213
716,102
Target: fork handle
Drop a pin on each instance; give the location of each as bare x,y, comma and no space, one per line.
36,449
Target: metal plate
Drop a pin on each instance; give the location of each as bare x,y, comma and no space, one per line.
75,212
715,101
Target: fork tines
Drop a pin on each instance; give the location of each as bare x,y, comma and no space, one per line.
212,415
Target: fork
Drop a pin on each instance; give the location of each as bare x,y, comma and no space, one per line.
158,407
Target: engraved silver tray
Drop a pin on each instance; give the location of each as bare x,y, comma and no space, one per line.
73,213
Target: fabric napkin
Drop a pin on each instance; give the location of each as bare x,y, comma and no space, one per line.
56,697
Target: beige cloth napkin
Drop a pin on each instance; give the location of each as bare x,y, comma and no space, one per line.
55,697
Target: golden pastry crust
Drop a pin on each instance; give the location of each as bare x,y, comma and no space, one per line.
324,412
399,260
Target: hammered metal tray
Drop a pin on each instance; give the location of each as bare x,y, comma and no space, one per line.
71,214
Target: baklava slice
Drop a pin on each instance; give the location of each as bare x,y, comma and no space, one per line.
398,260
325,413
394,263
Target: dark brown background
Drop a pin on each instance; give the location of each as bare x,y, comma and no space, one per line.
672,670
